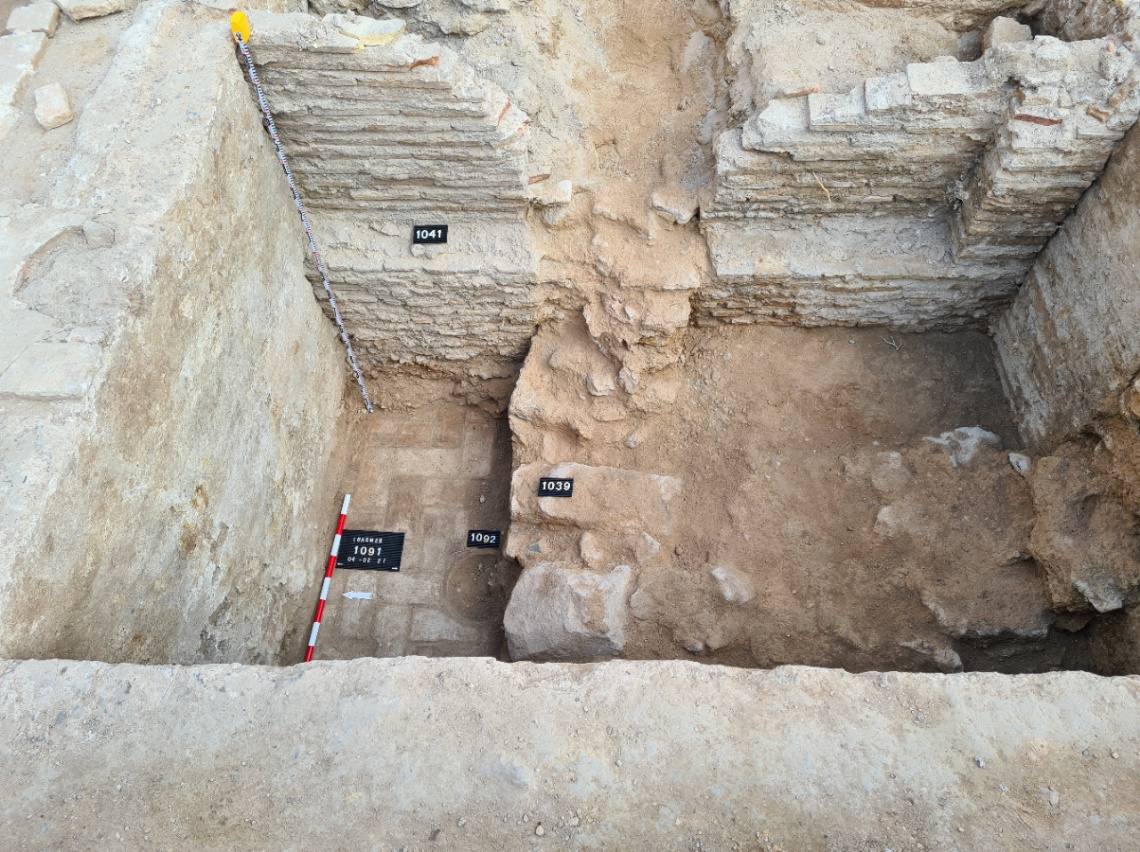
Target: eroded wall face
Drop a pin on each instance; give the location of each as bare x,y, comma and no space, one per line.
187,501
1068,346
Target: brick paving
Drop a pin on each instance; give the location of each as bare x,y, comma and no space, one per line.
433,474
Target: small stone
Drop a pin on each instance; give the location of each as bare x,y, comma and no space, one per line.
78,10
1021,463
632,441
53,109
628,380
591,550
600,384
646,548
1131,401
980,762
735,587
34,18
539,830
675,205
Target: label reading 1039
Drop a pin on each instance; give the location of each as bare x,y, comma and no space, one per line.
483,538
429,234
549,486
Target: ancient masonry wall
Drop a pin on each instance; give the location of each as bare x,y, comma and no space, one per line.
1067,350
387,131
168,410
917,199
1067,347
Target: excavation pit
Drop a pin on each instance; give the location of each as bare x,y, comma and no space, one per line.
817,320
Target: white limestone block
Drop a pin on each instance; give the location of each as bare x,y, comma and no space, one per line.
370,32
837,112
41,17
1005,31
53,108
939,79
19,55
78,10
891,91
49,371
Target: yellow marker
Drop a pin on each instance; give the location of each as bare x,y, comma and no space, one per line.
239,26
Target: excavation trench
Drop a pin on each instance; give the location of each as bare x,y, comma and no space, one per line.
763,333
808,321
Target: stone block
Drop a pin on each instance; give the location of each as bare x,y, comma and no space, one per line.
41,17
604,498
370,32
891,91
837,112
51,371
560,613
78,10
1004,30
53,108
778,120
944,79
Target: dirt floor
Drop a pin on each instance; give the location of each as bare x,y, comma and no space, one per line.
824,516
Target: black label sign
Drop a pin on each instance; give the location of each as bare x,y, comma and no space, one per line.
552,487
429,234
483,538
370,550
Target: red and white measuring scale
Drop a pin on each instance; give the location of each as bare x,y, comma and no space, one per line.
328,579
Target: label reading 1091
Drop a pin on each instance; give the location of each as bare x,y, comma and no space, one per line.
483,538
429,234
549,486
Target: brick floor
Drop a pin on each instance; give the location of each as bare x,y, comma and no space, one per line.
432,474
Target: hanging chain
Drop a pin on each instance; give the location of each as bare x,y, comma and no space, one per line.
314,250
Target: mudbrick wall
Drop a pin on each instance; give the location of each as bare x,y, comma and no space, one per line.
387,132
169,389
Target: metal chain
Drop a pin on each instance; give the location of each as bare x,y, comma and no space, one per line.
314,251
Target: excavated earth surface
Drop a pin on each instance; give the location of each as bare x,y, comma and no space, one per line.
474,754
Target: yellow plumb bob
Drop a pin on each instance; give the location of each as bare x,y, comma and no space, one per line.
239,26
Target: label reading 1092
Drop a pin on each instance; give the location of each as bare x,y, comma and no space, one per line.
483,538
429,234
549,486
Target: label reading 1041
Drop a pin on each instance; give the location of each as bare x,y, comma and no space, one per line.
549,486
483,538
429,234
